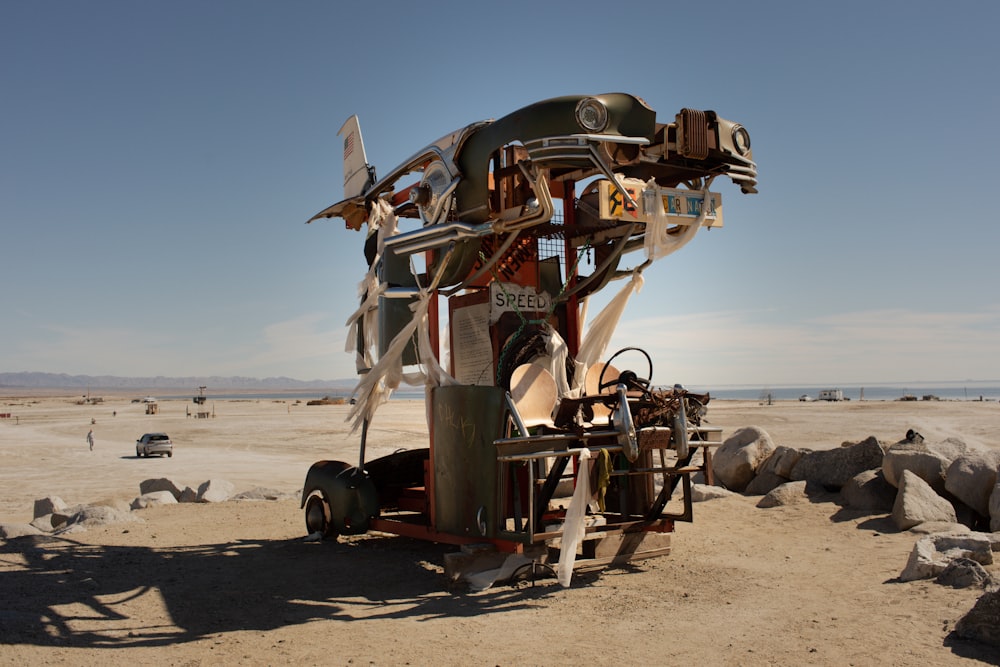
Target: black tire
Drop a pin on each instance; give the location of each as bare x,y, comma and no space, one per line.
138,454
317,516
170,455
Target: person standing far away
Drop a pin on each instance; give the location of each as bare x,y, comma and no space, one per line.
90,439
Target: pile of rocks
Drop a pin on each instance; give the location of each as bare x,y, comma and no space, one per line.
53,516
915,481
945,490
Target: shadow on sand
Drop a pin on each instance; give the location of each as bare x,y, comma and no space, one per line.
73,594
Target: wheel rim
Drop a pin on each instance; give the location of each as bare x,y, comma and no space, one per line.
316,517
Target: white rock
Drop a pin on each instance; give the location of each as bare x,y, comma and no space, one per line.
48,505
159,484
781,461
102,515
9,531
791,493
153,498
736,462
931,554
971,478
43,523
918,458
932,527
215,491
703,492
917,502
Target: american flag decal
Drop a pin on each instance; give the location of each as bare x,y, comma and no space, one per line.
348,144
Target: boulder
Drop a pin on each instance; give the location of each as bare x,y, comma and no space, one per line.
833,468
917,502
781,461
932,527
995,508
932,553
10,531
918,458
159,484
791,493
869,491
764,482
703,492
64,516
982,623
949,448
48,505
971,478
215,491
101,515
964,573
263,493
43,523
736,462
188,495
154,498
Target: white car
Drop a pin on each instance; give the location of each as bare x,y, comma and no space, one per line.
154,443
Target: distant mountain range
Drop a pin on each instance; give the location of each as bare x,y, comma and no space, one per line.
214,382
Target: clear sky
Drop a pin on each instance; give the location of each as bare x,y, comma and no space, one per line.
158,161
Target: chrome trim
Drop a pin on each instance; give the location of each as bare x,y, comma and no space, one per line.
602,110
582,147
435,236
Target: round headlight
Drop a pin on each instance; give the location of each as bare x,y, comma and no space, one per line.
741,139
591,114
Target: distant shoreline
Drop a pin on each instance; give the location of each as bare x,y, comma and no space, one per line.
871,393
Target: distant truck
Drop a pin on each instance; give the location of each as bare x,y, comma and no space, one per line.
831,395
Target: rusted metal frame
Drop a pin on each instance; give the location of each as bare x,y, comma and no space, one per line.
582,147
548,489
518,515
425,532
626,526
656,509
552,438
572,271
599,271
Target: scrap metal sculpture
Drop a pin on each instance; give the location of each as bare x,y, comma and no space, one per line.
514,223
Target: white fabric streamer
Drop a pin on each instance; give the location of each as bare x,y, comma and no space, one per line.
377,385
603,327
573,527
658,242
381,221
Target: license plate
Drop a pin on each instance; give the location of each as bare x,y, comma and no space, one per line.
682,207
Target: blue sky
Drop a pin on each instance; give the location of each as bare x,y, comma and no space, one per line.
158,161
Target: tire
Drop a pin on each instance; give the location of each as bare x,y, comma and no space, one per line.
170,455
317,516
138,454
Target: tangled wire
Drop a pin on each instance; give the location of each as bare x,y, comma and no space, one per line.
659,407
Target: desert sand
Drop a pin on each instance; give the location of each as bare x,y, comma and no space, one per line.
235,583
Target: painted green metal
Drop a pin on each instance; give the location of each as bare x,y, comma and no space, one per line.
466,421
628,116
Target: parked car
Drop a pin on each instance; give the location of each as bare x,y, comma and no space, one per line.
154,443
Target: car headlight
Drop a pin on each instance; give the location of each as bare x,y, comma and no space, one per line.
591,114
741,139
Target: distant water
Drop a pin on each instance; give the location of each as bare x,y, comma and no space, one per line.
957,391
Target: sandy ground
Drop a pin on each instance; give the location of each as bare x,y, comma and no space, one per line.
234,583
